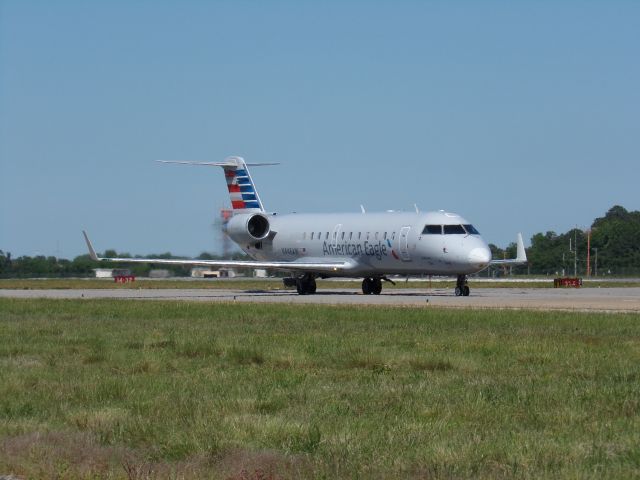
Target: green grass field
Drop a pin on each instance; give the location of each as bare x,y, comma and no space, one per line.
141,389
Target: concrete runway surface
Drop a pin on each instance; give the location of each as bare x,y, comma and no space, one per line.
583,299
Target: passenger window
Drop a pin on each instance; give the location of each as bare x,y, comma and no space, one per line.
385,236
350,235
342,236
432,230
327,236
304,235
393,235
454,230
367,235
359,235
311,235
471,230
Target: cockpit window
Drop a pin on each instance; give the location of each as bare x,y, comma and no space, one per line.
432,230
454,230
471,230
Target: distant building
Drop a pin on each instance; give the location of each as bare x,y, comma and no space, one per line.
111,272
103,272
159,273
204,272
260,273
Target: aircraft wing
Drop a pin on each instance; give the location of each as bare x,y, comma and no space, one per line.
521,255
299,265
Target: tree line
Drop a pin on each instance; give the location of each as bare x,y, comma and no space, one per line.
615,250
83,266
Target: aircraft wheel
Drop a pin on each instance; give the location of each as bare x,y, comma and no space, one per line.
367,286
306,286
465,290
458,291
311,286
376,286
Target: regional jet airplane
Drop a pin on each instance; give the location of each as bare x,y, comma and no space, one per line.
371,246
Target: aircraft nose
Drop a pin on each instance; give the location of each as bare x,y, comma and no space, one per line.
481,255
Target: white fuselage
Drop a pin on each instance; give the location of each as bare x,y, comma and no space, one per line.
375,243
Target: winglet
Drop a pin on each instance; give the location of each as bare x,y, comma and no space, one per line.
521,254
92,252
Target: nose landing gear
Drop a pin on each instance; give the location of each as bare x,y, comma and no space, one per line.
371,286
461,286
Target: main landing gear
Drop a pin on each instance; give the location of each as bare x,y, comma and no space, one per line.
371,286
306,285
461,286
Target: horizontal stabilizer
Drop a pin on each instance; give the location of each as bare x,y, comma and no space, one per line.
217,164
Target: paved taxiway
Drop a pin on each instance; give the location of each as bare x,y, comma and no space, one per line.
584,299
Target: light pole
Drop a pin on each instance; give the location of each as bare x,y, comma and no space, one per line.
575,252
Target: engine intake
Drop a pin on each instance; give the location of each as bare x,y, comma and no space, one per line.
248,227
258,227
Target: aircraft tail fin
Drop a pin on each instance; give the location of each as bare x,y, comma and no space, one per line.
242,191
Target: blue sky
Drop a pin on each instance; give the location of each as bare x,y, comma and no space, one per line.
520,116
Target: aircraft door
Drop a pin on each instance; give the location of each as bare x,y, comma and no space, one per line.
336,234
404,244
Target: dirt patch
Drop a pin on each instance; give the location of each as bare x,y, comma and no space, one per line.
68,454
79,455
57,454
20,361
262,465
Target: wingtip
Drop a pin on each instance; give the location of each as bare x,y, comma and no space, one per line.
521,253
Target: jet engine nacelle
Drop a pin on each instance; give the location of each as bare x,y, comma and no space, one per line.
248,227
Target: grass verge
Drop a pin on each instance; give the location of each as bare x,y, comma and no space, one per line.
102,388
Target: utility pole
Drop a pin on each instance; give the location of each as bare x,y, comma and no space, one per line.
596,265
588,253
575,252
